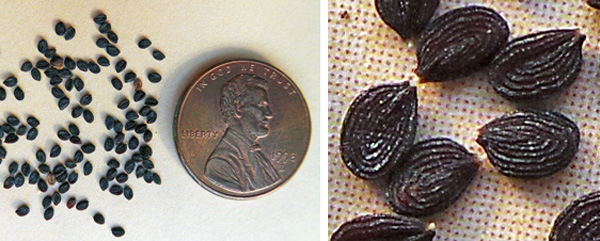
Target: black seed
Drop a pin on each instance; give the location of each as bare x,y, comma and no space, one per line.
82,205
127,192
158,55
51,73
55,151
146,151
11,138
141,128
27,66
98,218
137,157
58,169
156,178
35,74
13,120
2,94
151,101
26,169
116,83
139,171
121,148
121,177
144,43
69,63
42,64
21,130
59,28
78,157
88,116
10,81
55,81
112,51
139,95
75,140
145,110
87,168
73,176
116,189
70,164
103,61
34,177
111,174
48,213
148,176
57,92
19,180
103,183
130,125
88,148
86,99
65,73
118,231
50,53
77,111
13,168
69,33
100,18
147,136
32,134
151,118
47,201
120,137
44,169
123,104
2,153
129,77
42,186
64,187
109,144
40,155
42,46
113,163
104,27
93,67
62,177
78,83
9,182
56,198
73,129
63,103
8,129
22,210
102,42
129,166
82,65
71,202
131,115
112,36
69,84
118,126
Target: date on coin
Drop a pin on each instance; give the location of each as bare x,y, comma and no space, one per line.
242,129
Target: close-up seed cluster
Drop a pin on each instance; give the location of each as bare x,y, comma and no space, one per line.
496,77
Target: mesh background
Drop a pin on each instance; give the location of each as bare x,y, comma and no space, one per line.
364,52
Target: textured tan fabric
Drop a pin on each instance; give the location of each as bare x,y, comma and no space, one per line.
364,52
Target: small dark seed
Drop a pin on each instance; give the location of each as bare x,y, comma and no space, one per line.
139,171
86,99
102,42
109,144
118,126
151,101
2,153
40,155
129,166
26,169
113,163
93,67
69,33
19,94
9,182
55,151
88,116
111,174
78,83
73,176
383,227
78,157
117,84
21,130
75,140
57,92
82,65
13,120
42,46
103,183
13,168
112,51
51,73
70,164
50,53
146,151
82,205
156,178
73,129
65,73
22,210
129,77
2,94
127,192
148,176
69,63
104,27
11,138
64,187
98,218
145,110
77,111
121,148
120,137
137,157
56,198
141,128
69,84
144,43
118,231
19,180
116,189
154,77
139,95
88,148
42,186
59,28
71,202
32,134
48,213
8,129
58,169
120,66
123,104
103,61
55,81
10,81
87,168
47,201
147,136
44,169
100,18
158,55
121,177
131,115
130,125
63,103
112,36
61,177
35,74
27,66
34,177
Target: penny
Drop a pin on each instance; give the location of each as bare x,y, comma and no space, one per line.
242,129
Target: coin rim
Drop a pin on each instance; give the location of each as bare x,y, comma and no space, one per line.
182,159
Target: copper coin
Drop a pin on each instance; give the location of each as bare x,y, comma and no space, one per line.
242,129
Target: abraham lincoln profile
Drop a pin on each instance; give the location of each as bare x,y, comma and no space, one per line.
237,163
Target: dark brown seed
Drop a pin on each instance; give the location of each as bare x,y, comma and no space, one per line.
530,144
579,221
51,179
538,65
459,43
57,62
406,17
434,175
378,129
593,3
383,227
118,231
22,210
71,202
137,84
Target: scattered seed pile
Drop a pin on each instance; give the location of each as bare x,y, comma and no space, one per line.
126,140
530,68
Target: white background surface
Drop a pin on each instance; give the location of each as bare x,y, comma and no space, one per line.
194,35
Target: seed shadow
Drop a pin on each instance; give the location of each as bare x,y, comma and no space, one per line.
184,77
